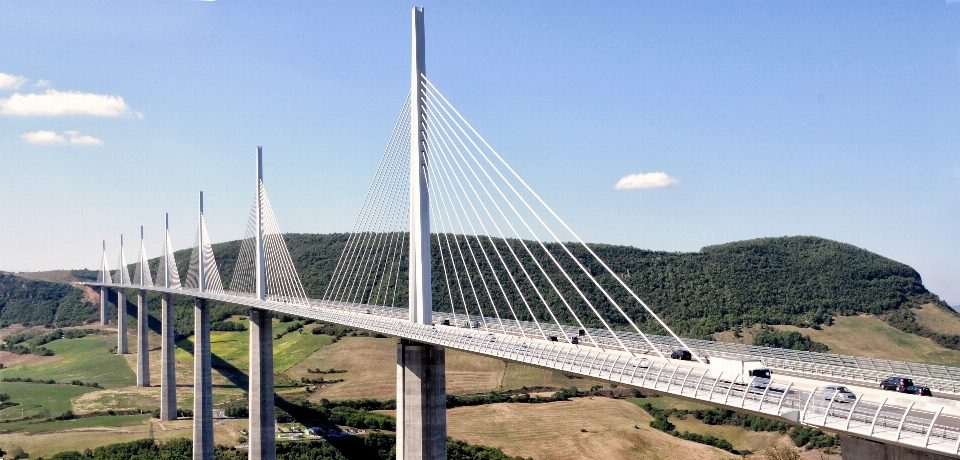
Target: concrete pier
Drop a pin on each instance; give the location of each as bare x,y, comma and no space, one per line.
421,402
143,344
202,384
263,443
104,295
852,448
121,322
168,370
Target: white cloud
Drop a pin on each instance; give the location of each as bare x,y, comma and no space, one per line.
71,137
42,83
54,103
82,139
43,138
645,180
8,81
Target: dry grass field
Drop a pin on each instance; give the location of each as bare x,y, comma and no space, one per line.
553,431
47,444
615,430
371,366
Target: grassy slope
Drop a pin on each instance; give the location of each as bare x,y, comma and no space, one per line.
876,339
938,319
34,398
87,359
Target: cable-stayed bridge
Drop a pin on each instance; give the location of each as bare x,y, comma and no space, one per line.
452,248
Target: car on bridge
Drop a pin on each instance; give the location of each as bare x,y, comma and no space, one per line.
898,384
681,354
919,390
838,393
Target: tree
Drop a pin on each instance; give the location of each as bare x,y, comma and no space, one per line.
780,451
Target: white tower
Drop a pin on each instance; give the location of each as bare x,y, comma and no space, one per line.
421,302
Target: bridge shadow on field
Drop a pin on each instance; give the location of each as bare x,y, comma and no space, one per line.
235,375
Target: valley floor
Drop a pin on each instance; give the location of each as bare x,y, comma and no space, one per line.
614,429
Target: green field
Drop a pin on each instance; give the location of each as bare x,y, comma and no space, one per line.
87,359
37,398
234,347
85,422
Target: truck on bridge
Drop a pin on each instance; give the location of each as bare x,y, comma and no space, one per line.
740,370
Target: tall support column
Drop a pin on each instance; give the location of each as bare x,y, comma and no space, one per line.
168,363
263,441
168,370
104,292
202,384
421,402
104,295
143,345
420,294
421,379
263,444
121,322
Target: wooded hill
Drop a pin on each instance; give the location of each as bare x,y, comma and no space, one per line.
802,281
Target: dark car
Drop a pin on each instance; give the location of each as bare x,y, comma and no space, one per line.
918,390
682,355
898,384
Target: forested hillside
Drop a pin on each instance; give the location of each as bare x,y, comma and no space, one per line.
802,281
31,302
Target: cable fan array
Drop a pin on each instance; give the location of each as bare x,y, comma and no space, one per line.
103,276
141,273
282,281
202,248
502,259
167,273
372,268
122,276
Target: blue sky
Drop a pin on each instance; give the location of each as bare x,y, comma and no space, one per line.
835,119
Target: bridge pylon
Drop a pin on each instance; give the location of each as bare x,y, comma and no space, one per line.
202,379
263,442
143,344
123,277
167,278
104,277
421,379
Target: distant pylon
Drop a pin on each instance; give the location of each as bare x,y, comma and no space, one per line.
203,274
142,276
167,275
104,275
123,273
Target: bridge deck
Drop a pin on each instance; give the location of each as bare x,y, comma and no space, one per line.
926,423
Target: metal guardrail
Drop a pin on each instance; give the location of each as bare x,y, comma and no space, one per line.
886,421
937,377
